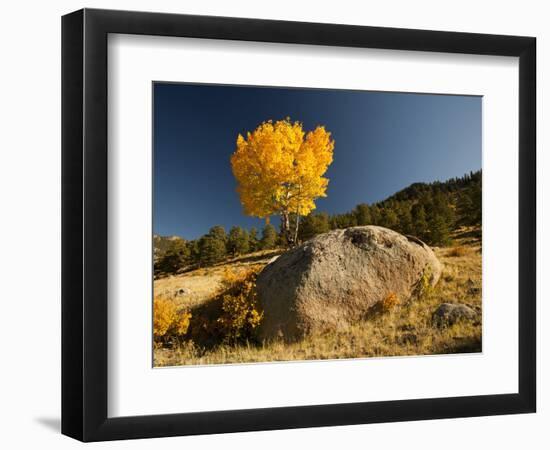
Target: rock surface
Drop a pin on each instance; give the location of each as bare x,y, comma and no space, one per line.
448,314
182,291
331,281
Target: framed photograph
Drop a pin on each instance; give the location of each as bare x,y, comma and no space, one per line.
273,224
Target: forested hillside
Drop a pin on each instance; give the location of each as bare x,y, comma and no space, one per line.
429,211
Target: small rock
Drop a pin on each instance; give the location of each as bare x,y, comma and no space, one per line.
450,313
183,291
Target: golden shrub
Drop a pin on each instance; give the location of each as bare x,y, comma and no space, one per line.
241,314
164,315
181,324
390,302
167,321
457,251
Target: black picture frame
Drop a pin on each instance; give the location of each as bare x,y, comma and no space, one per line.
84,224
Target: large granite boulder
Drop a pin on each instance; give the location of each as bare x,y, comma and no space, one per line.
336,278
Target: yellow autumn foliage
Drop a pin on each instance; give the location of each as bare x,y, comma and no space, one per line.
279,168
167,321
241,314
390,302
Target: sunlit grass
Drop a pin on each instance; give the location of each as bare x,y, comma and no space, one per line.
398,331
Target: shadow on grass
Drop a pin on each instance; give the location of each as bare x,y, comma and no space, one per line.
463,345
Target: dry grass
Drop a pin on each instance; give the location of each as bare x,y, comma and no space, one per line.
203,284
400,330
458,251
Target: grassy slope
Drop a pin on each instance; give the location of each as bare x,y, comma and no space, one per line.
406,330
205,283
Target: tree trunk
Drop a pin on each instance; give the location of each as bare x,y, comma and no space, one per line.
290,235
296,230
285,227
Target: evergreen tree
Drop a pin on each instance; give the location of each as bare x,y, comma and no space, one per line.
389,218
475,195
213,246
176,256
314,224
211,250
469,205
439,230
441,206
341,221
362,214
374,211
465,206
419,222
441,219
404,219
269,237
237,241
194,251
218,232
253,243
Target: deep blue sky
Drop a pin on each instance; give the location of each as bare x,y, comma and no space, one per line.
384,142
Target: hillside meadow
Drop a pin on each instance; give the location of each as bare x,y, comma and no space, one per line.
197,298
